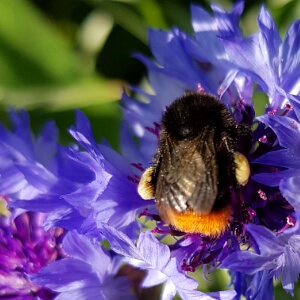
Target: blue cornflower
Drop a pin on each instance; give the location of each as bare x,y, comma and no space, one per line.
76,186
24,156
269,61
286,158
88,272
36,171
181,64
70,185
91,188
149,254
276,253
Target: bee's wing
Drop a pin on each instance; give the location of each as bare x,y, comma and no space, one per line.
187,175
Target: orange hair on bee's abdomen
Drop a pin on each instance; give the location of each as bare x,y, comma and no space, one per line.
212,224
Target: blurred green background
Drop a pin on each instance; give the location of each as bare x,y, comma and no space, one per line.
58,55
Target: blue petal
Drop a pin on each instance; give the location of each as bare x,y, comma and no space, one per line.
268,243
260,286
179,278
154,252
154,277
66,217
247,262
195,295
114,160
21,126
169,291
38,176
273,179
90,293
83,196
80,247
46,144
118,205
75,166
44,204
12,181
291,267
290,189
270,38
66,274
269,246
280,158
159,42
174,58
222,295
295,101
286,129
129,148
237,11
83,134
167,88
202,21
120,242
15,147
245,53
291,59
228,23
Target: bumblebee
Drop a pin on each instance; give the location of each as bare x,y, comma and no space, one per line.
198,163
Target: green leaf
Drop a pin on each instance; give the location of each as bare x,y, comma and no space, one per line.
32,52
126,16
82,93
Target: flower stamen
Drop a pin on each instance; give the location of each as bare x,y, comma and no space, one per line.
290,222
132,179
138,166
262,195
263,139
186,267
273,112
288,107
200,88
155,130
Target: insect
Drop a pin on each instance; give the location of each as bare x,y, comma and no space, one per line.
199,161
